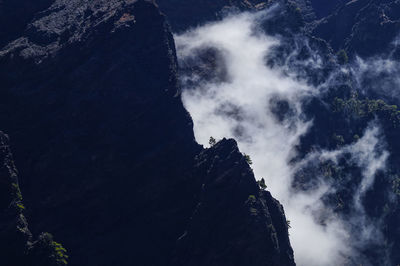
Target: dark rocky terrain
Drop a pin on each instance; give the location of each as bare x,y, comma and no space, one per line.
16,242
363,27
105,150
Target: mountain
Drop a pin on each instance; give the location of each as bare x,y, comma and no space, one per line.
17,244
105,150
362,27
109,171
348,51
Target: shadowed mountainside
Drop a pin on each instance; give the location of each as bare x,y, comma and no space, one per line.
16,242
105,150
362,27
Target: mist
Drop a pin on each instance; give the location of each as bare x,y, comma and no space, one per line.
260,106
378,75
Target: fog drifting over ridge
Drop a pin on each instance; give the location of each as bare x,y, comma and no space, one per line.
240,102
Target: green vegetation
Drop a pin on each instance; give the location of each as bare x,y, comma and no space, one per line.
288,223
212,141
339,140
366,108
331,171
248,159
396,185
17,197
342,57
262,184
251,199
16,192
20,206
54,252
60,253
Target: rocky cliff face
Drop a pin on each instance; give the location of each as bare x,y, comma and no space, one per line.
230,205
106,152
16,243
13,226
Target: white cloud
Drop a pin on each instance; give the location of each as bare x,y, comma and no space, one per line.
241,106
378,75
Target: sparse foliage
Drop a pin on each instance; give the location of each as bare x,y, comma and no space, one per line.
288,223
49,252
339,140
342,57
212,141
262,184
251,198
248,159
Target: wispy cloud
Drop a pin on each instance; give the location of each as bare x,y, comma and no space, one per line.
231,91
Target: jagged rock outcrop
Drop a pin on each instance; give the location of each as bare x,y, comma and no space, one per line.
14,232
17,247
231,205
105,149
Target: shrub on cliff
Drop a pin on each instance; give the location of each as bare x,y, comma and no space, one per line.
262,184
47,252
342,57
248,159
212,141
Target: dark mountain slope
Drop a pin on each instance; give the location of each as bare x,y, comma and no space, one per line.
184,14
364,27
14,15
238,207
324,8
105,149
16,243
190,13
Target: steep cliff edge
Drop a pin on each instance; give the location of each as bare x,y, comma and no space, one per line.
14,233
17,246
105,149
234,222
